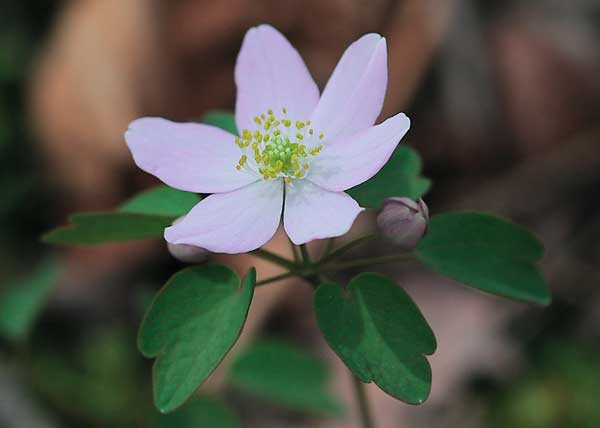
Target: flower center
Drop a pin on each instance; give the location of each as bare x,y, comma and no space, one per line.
278,147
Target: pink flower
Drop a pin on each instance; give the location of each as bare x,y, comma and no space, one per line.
297,153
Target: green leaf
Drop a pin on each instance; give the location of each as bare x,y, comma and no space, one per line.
97,379
162,201
486,253
103,227
192,323
379,333
22,301
201,412
146,215
401,176
221,119
268,369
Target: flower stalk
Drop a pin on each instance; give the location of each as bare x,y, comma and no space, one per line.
363,403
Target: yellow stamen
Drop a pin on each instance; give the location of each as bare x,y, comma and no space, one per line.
277,152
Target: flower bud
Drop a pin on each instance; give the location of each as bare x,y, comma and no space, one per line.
187,253
403,221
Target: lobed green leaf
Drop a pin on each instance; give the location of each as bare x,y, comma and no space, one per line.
221,119
487,253
190,327
400,177
269,367
103,227
379,333
200,412
145,215
161,201
22,301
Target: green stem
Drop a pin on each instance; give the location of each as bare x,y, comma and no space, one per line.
276,278
363,404
305,256
274,258
328,248
294,252
368,262
344,248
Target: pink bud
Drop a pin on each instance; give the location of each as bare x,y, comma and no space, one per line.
403,221
187,253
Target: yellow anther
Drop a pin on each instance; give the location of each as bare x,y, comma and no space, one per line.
277,152
315,151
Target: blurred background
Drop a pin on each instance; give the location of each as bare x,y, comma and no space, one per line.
504,97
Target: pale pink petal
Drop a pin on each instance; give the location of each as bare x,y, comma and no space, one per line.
350,161
235,222
187,156
314,213
354,95
270,74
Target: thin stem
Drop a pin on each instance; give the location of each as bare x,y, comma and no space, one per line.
294,252
363,404
274,258
368,262
276,278
344,248
328,248
305,256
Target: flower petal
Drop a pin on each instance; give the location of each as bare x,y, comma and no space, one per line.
187,156
314,213
235,222
354,95
270,74
348,162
